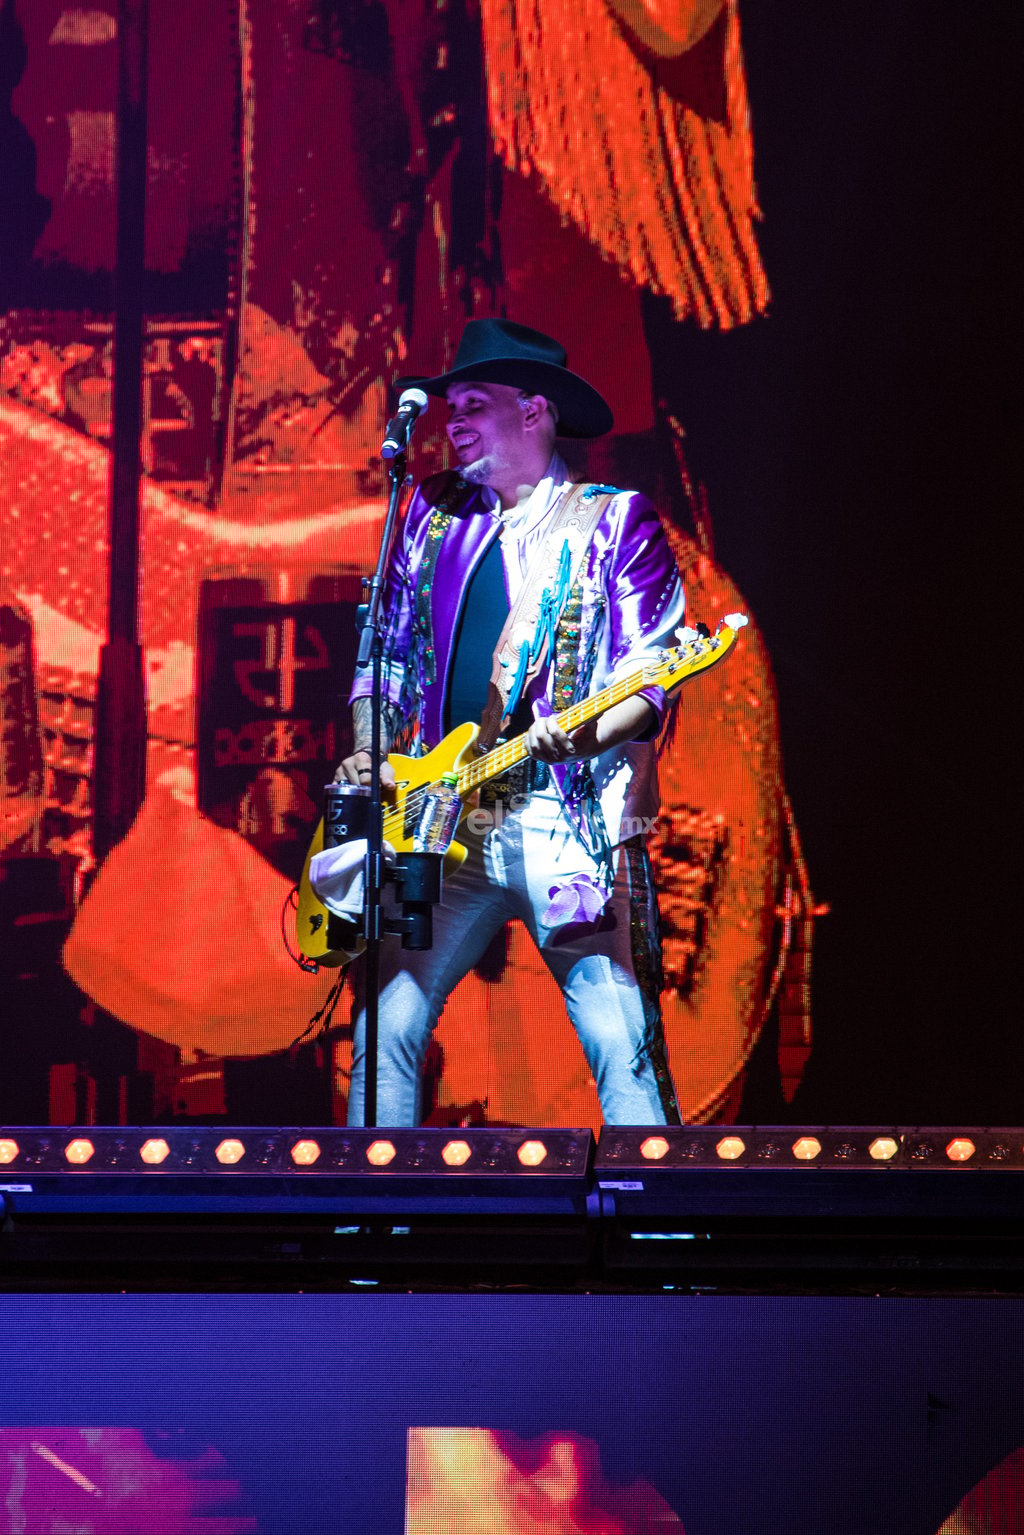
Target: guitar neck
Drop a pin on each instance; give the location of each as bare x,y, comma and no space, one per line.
500,758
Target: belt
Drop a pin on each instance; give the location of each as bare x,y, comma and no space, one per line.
519,781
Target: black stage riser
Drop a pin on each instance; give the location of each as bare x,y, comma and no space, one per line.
570,1218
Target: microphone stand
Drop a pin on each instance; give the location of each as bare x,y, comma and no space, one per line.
371,651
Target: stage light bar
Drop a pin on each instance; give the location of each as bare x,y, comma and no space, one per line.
821,1146
174,1151
700,1207
326,1152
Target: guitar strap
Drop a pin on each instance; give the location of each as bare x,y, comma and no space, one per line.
573,525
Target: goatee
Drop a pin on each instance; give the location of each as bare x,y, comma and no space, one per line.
482,471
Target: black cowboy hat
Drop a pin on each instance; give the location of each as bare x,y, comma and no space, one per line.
501,352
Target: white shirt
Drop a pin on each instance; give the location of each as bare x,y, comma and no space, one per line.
523,519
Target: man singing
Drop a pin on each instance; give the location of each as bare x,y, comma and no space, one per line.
558,841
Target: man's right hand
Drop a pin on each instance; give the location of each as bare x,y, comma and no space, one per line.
357,769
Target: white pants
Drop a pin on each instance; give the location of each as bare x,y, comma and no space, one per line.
608,970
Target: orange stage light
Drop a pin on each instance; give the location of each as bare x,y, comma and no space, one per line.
456,1153
883,1148
154,1152
730,1147
960,1149
8,1151
79,1151
532,1153
305,1153
229,1152
654,1148
380,1153
807,1148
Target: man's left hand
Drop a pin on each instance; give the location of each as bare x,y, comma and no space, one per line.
630,720
546,741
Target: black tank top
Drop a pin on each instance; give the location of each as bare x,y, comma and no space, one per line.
484,611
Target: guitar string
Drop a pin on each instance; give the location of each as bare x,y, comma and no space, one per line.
499,759
701,650
509,753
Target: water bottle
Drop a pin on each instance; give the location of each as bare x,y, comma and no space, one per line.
439,816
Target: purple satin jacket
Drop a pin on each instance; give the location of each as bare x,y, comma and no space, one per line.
632,604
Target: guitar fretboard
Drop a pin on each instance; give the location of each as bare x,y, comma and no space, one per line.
500,758
673,667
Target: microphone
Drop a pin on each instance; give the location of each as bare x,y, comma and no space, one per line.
412,403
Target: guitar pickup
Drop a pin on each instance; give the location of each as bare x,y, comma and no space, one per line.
411,815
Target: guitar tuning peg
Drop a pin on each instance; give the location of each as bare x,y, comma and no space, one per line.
736,620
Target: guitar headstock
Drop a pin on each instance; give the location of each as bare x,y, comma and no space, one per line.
698,649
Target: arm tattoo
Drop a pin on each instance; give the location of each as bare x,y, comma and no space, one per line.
362,725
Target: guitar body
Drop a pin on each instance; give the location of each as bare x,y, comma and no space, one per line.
331,941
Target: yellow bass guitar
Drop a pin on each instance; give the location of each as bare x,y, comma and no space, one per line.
457,754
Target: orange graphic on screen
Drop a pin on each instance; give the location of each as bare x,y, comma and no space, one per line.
995,1505
480,1482
661,180
115,1481
179,935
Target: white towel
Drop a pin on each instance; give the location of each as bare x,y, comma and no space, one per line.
336,876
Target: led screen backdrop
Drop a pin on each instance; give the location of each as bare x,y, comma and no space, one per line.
332,190
509,1415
